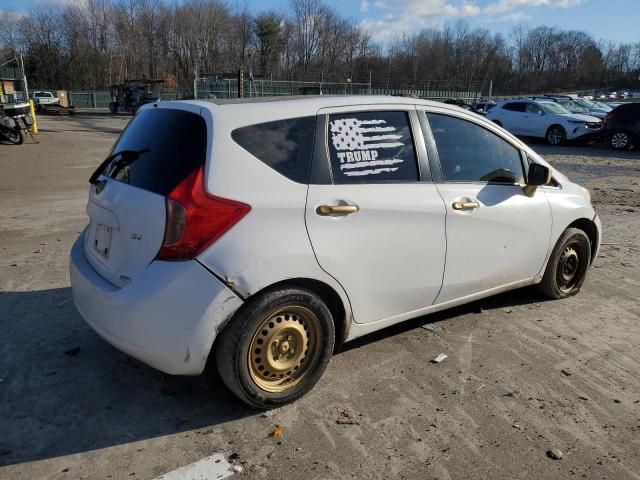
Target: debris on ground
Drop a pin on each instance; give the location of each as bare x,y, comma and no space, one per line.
237,469
72,352
439,358
554,454
566,372
268,413
277,432
432,327
582,397
346,418
214,467
516,425
479,388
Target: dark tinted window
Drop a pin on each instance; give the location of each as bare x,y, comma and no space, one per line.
628,108
284,145
172,144
372,147
471,153
515,106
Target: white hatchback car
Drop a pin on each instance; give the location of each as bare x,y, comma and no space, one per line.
261,235
545,119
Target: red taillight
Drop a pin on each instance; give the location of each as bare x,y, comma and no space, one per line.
196,219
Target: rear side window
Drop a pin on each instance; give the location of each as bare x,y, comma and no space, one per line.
515,106
167,145
372,147
471,153
629,108
284,145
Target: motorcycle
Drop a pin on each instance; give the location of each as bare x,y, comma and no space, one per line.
15,119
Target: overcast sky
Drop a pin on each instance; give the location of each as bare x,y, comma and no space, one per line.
617,20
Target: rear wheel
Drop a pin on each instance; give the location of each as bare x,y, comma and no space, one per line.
276,347
568,265
620,140
556,135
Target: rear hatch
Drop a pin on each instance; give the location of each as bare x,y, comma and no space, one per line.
127,207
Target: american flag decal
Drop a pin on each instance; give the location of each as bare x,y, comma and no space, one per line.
357,143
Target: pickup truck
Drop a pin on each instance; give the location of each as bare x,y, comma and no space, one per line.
44,98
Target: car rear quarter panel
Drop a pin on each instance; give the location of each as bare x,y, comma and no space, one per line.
270,244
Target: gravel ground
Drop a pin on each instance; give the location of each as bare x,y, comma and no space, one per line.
523,375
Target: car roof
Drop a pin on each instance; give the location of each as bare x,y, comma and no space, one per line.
308,103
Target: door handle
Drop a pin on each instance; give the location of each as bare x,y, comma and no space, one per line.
465,205
327,210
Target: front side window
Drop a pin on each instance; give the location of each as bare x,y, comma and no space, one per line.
471,153
533,108
372,147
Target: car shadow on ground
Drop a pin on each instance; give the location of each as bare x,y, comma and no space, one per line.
63,390
513,298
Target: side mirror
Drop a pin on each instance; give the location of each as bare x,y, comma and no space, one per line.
541,113
538,175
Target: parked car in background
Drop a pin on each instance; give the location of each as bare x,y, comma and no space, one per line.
41,98
577,104
259,235
483,107
622,126
544,119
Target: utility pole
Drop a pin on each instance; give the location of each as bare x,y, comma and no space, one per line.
24,78
195,82
490,89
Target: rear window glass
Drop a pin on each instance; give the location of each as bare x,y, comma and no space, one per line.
169,145
284,145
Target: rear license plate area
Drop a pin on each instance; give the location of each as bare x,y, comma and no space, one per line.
102,240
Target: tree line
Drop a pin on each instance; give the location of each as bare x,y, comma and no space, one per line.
93,43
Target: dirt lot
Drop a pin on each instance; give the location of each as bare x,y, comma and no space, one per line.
523,375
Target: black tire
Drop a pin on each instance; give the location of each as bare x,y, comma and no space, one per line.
235,350
15,136
113,107
568,265
556,135
620,140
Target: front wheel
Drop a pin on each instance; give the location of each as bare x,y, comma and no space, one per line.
568,265
15,136
276,347
619,140
556,135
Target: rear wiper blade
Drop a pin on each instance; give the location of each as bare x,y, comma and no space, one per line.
128,157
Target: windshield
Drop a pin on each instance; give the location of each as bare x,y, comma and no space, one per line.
574,107
550,107
583,102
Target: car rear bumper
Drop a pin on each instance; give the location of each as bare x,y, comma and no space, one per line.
167,317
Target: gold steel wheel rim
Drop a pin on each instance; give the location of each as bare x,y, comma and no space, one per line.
284,349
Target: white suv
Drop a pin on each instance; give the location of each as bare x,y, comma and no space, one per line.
545,119
261,235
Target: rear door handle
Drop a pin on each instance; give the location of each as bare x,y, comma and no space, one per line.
465,205
336,210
